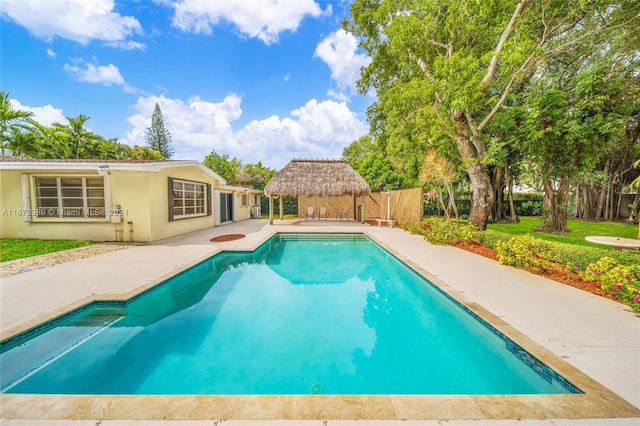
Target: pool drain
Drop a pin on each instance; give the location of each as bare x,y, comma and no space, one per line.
316,388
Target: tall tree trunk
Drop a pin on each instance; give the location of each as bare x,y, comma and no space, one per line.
600,208
554,206
498,193
634,208
512,207
482,190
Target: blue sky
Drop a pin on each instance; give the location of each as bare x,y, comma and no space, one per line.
259,80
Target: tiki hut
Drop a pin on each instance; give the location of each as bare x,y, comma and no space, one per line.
315,178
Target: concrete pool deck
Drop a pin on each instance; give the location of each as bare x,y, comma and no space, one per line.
592,341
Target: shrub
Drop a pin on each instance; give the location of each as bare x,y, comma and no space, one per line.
525,251
578,258
490,238
439,231
620,281
529,208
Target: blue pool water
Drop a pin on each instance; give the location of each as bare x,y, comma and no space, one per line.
332,314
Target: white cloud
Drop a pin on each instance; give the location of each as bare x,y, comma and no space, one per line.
262,19
339,51
77,20
45,115
51,53
128,45
196,126
315,130
101,74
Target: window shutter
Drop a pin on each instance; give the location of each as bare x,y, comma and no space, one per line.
170,199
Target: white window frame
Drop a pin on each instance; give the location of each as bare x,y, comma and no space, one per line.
87,214
172,198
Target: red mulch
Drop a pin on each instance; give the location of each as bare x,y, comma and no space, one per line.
229,237
560,275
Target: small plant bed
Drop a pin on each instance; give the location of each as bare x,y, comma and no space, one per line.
601,271
15,248
559,275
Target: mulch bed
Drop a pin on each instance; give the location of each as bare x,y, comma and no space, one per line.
561,276
228,237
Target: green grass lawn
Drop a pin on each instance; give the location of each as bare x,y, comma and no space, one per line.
579,229
13,248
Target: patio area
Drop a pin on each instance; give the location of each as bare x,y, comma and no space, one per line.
592,341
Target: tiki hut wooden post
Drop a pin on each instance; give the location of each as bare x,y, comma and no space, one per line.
270,209
281,208
316,178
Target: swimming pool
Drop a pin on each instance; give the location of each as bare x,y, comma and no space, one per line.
303,314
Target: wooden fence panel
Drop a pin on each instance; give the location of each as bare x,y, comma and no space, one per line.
405,205
333,204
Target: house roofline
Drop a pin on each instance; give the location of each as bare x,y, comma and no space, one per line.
92,165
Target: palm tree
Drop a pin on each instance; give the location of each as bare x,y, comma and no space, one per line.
11,120
78,136
438,170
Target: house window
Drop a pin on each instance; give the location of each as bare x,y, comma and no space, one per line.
188,199
70,197
243,200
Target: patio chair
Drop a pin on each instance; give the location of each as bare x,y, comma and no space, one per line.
323,213
343,213
310,212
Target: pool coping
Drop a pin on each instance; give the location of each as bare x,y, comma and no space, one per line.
597,401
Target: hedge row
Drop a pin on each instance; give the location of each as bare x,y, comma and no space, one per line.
567,254
617,272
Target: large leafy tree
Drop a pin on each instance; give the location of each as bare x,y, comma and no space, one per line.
447,67
367,157
255,175
225,167
157,136
572,118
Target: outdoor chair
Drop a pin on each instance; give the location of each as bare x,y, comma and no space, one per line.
310,212
323,213
343,213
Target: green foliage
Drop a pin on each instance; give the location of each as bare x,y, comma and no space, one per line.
227,168
11,120
14,248
572,257
235,173
157,135
289,206
438,231
525,251
579,230
491,238
367,157
255,175
529,208
142,153
620,281
577,258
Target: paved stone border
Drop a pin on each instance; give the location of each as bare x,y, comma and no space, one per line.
18,266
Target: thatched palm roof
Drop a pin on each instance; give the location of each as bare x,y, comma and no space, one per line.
312,178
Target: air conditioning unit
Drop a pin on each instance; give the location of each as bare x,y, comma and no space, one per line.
256,212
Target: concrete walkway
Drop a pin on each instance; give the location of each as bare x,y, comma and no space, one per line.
597,336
